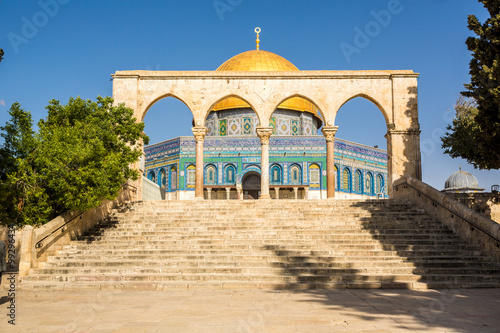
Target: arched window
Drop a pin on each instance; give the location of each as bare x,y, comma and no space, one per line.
276,174
358,182
314,175
346,180
295,174
369,184
337,178
162,178
379,184
230,174
191,176
151,176
173,178
210,175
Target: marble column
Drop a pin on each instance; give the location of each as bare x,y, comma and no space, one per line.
239,190
295,193
277,192
228,193
264,134
329,133
209,193
306,193
199,135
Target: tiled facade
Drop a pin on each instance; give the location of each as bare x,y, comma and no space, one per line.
294,161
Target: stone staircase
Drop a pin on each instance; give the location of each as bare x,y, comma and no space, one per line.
285,244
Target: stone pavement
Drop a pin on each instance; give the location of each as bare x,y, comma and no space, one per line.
201,310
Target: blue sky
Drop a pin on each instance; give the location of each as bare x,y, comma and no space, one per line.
56,49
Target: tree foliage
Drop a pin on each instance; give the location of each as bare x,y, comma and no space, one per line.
479,122
464,132
80,156
1,54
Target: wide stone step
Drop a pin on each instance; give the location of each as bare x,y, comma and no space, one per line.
312,278
306,260
186,266
299,272
355,241
235,285
292,244
259,244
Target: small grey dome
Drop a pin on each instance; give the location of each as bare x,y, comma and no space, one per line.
461,180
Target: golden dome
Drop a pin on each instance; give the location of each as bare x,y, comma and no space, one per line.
262,61
257,61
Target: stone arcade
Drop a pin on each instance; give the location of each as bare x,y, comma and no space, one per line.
269,92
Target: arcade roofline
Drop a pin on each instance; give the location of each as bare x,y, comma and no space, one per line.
191,138
360,74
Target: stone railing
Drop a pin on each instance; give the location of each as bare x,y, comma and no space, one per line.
466,223
38,243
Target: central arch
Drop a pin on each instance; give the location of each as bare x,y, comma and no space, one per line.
251,185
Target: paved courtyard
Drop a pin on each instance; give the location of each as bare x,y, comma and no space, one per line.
476,310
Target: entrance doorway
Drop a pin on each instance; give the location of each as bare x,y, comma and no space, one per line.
251,186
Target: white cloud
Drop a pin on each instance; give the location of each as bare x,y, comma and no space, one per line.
2,102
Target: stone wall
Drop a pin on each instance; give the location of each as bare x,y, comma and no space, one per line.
487,204
150,190
36,244
466,223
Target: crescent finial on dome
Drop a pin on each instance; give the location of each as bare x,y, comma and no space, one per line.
257,31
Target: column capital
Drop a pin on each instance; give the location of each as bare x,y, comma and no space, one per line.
411,131
264,133
199,133
329,132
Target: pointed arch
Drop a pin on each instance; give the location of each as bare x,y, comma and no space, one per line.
314,175
358,182
337,177
310,100
276,174
211,174
173,178
150,102
229,174
207,112
346,180
162,178
295,174
152,175
387,116
369,184
380,184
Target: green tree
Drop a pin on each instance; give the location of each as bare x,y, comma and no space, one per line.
80,156
463,134
20,188
480,121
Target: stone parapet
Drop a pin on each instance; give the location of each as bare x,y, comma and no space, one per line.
37,244
466,223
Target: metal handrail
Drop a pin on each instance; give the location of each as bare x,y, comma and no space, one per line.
38,244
